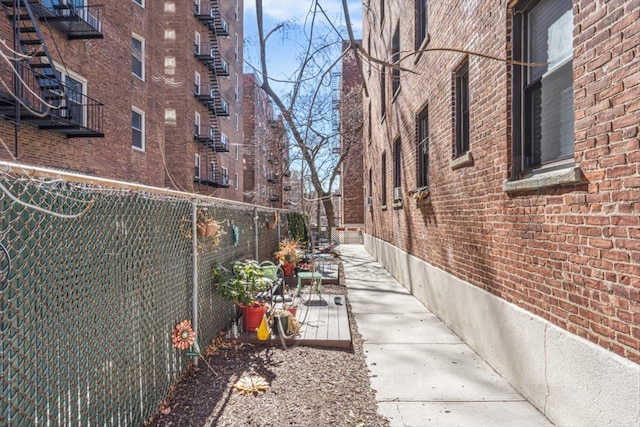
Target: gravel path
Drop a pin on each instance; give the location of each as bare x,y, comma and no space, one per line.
306,387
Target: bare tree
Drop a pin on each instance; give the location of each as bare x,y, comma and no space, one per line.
308,107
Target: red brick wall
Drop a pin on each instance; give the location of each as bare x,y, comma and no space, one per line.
168,159
351,139
265,147
106,65
570,254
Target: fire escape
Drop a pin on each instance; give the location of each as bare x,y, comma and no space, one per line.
208,135
41,95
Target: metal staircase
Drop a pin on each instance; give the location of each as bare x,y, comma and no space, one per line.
210,137
39,96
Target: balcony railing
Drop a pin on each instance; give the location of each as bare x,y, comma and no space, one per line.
77,22
208,54
46,102
208,13
207,135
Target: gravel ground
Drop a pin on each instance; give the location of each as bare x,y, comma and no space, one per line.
306,387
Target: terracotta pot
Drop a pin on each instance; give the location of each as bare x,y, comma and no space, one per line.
202,229
252,316
211,230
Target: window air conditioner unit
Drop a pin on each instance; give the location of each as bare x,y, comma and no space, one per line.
397,194
368,201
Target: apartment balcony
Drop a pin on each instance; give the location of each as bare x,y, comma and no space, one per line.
76,21
208,12
208,136
274,198
44,101
208,54
210,98
216,177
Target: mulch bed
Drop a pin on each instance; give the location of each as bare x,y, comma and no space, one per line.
306,387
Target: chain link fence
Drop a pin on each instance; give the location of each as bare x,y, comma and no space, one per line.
93,277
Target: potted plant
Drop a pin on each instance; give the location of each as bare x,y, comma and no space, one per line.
288,255
207,225
243,285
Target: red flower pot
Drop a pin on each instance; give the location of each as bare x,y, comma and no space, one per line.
252,316
288,269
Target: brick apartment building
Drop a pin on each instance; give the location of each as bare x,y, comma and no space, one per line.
352,191
503,163
114,89
266,149
203,66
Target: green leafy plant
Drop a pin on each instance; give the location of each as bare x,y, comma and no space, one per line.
244,285
297,227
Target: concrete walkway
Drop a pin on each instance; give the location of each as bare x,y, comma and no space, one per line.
423,374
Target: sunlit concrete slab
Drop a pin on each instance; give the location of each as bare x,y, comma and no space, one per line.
405,328
462,414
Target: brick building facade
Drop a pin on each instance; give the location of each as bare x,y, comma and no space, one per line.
504,171
266,149
123,90
203,67
352,191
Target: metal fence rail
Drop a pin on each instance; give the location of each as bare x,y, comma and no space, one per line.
95,279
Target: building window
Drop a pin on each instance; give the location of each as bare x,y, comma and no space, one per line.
422,22
197,5
139,2
423,148
196,123
75,91
369,52
462,109
369,135
236,121
397,167
237,181
237,88
137,129
197,166
543,115
137,45
383,193
236,152
196,43
381,12
395,59
236,51
196,83
236,11
383,91
224,140
225,176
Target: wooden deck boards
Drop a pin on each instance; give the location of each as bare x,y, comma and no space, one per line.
323,324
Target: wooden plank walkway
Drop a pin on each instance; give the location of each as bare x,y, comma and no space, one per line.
323,323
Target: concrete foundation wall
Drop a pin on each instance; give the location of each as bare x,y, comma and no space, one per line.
571,380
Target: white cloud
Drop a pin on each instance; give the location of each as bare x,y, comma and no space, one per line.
297,10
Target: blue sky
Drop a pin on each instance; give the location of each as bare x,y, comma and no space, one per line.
281,50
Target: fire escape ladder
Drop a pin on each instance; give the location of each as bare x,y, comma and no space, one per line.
209,54
40,96
31,42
